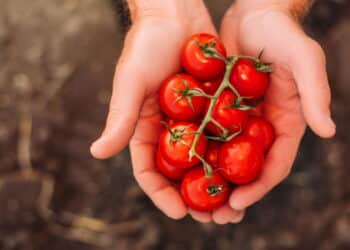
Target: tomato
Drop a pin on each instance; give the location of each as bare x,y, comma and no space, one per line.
204,193
175,143
228,117
212,154
241,160
170,171
197,63
210,87
177,100
260,130
248,81
169,121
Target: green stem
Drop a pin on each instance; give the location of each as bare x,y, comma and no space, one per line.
230,62
253,58
217,124
208,116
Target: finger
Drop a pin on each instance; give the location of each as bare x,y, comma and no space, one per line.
200,216
238,218
309,70
226,214
163,194
228,33
277,167
127,98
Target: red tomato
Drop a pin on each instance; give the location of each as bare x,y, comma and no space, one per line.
210,87
212,154
204,193
248,81
175,145
168,170
241,160
260,130
169,121
177,100
229,118
197,63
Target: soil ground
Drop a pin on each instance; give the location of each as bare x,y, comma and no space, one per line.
56,66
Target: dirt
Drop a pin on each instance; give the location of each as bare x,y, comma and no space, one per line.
57,59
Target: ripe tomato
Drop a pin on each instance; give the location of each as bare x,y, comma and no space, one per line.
204,193
177,100
168,170
197,63
212,154
248,81
228,117
241,160
175,143
261,131
210,87
169,121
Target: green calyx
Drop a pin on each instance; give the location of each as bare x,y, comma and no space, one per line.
225,136
188,93
260,66
237,104
214,190
176,134
209,50
263,67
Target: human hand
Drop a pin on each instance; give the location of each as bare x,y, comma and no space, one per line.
298,94
151,54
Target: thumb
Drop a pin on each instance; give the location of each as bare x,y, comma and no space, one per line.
126,101
309,70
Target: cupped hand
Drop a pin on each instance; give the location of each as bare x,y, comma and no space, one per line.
151,54
298,94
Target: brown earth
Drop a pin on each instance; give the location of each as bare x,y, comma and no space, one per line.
56,66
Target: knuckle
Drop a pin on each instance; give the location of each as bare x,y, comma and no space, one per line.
219,221
285,174
116,114
238,218
316,49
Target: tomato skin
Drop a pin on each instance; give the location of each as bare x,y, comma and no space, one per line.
176,107
169,121
212,154
177,152
248,81
194,190
229,118
241,160
261,131
168,170
210,87
196,63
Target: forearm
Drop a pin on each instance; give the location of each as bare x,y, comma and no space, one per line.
161,8
297,8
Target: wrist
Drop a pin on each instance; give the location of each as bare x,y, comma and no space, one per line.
296,8
171,9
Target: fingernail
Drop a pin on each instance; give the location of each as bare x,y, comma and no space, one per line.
94,148
332,123
332,126
238,218
234,204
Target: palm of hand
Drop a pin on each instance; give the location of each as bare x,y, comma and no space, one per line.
282,108
152,54
297,62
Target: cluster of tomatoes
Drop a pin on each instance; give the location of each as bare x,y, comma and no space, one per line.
210,142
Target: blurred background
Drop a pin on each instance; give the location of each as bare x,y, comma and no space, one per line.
56,66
